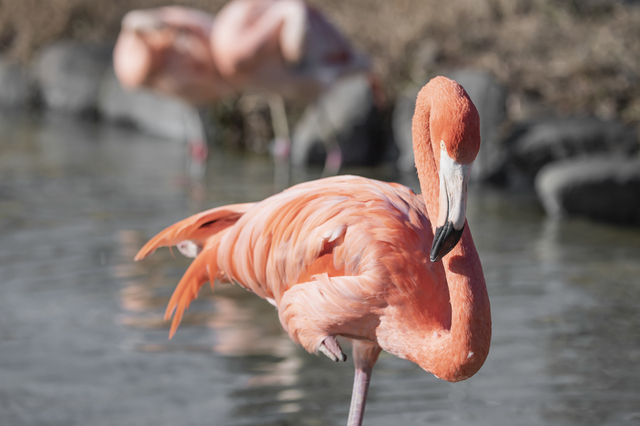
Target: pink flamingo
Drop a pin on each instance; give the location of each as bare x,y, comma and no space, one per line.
281,48
284,46
358,258
287,48
167,50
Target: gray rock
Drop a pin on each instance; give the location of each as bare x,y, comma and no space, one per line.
401,127
532,145
69,74
489,97
148,111
602,187
349,111
17,86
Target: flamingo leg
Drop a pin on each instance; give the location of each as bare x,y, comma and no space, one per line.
333,160
314,312
197,150
359,396
282,148
365,355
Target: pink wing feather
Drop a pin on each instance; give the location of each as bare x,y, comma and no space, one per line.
196,228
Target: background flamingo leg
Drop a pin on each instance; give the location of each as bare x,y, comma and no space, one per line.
333,160
282,147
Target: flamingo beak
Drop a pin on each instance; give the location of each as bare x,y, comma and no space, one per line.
454,178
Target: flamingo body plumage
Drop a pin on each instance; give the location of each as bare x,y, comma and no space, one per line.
353,257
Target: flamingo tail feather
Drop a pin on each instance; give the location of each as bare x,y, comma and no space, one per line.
196,228
204,268
201,230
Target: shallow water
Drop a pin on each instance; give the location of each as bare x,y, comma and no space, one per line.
82,340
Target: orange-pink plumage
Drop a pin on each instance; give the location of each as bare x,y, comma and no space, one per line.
359,258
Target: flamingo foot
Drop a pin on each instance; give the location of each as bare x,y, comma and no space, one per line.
331,348
281,148
198,153
333,162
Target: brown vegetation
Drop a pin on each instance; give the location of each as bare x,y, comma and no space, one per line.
578,56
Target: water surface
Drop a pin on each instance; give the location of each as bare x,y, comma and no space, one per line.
83,342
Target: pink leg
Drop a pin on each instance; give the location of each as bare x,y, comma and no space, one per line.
359,396
365,355
333,160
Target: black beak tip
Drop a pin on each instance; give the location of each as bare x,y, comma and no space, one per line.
444,241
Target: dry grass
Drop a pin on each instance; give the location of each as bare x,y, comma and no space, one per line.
576,55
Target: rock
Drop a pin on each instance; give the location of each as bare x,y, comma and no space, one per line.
401,126
602,187
148,111
17,86
488,96
532,145
349,111
69,75
490,99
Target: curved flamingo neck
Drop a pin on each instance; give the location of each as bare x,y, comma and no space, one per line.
455,349
459,352
425,155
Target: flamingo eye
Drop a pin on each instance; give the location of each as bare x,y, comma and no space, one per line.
442,146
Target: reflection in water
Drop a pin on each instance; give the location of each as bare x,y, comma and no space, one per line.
229,312
82,324
241,324
595,345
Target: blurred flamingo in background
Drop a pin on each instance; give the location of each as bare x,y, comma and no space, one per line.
167,50
358,258
282,48
288,49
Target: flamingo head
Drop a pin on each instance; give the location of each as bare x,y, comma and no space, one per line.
455,138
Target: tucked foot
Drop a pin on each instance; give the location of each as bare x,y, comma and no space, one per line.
332,349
